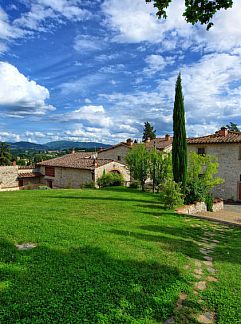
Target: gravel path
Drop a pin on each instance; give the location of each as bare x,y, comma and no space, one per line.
230,214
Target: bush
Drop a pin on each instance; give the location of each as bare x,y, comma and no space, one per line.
134,185
196,190
171,194
43,188
209,202
89,185
110,179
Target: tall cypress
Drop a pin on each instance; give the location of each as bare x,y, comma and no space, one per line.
179,145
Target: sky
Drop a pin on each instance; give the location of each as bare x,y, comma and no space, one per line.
96,70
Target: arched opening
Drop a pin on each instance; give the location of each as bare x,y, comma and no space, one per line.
115,171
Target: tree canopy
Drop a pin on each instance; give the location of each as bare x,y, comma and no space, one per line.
148,132
201,11
5,154
233,127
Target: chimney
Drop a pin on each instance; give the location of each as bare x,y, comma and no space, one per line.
148,140
129,142
95,163
14,163
167,137
223,131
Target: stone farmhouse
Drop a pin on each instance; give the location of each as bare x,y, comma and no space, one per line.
69,171
118,152
226,146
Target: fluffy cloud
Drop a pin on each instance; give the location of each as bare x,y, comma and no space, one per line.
41,10
20,96
91,115
157,63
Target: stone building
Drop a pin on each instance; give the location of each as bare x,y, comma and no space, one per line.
118,152
73,170
226,146
16,177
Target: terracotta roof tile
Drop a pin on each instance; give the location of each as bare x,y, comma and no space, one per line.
218,137
29,175
159,143
76,161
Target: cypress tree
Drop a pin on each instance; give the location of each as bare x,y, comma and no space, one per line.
179,145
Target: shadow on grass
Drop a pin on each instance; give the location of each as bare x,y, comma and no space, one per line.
83,285
183,245
103,199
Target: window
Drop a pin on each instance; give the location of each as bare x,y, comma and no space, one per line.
201,151
119,158
49,171
239,156
240,178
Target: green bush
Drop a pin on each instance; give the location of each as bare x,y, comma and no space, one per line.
134,185
209,202
43,188
196,190
89,185
171,194
110,179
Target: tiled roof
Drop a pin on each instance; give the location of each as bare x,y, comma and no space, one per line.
218,137
29,175
159,143
76,161
116,145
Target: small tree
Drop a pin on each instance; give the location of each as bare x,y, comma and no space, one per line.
148,132
138,160
160,167
233,127
5,154
202,170
179,145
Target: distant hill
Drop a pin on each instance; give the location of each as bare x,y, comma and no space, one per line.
26,146
65,145
57,145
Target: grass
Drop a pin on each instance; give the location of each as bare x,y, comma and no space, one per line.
108,256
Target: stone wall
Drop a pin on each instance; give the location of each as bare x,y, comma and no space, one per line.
114,152
199,207
114,166
229,168
8,177
68,177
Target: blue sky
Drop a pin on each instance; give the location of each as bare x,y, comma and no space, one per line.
97,70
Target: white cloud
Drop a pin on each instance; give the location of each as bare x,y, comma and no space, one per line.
40,10
90,115
86,43
20,96
157,63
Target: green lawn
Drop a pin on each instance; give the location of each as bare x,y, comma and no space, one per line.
108,256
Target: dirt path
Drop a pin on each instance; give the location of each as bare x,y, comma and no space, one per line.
230,214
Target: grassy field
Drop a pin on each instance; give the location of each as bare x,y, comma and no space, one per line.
109,256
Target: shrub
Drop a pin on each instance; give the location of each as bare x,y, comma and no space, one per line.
89,185
110,179
134,185
209,202
43,188
171,194
196,190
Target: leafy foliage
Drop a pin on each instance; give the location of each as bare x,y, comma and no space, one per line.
171,194
138,160
148,132
179,145
205,168
196,10
110,179
233,127
195,191
160,168
5,154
